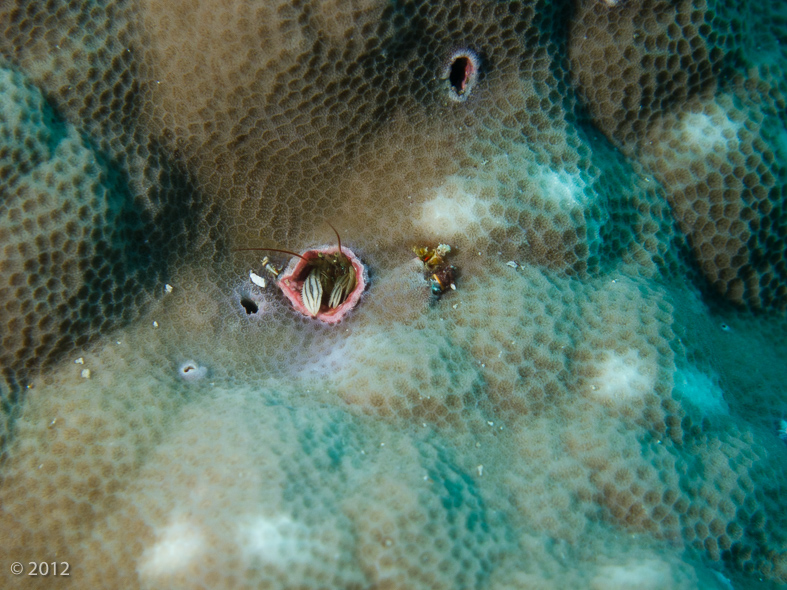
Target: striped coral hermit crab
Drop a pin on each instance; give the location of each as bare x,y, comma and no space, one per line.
324,283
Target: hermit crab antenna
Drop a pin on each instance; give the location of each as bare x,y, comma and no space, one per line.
338,239
269,250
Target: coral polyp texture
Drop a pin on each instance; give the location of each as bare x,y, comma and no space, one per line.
596,397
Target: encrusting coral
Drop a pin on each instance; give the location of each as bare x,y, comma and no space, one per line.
593,400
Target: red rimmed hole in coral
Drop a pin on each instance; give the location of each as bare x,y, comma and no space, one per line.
329,266
325,283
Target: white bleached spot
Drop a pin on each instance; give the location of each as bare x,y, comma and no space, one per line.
701,390
450,210
647,574
278,540
177,546
568,190
704,133
623,377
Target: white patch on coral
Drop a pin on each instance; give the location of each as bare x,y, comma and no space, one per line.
177,547
648,574
704,133
566,189
701,390
450,210
623,377
279,540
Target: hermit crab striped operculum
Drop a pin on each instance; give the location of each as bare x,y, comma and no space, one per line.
323,283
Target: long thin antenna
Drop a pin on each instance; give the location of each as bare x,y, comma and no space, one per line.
269,250
338,239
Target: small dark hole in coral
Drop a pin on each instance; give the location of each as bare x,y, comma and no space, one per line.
249,305
461,68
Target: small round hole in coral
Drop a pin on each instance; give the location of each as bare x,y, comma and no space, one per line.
249,305
461,73
191,371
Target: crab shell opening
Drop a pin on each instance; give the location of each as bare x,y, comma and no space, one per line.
291,284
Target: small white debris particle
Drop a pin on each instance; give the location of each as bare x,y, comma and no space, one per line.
478,445
512,264
257,279
382,444
453,287
480,470
85,373
79,361
168,288
155,324
388,542
52,423
491,423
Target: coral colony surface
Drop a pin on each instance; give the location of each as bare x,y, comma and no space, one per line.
560,360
